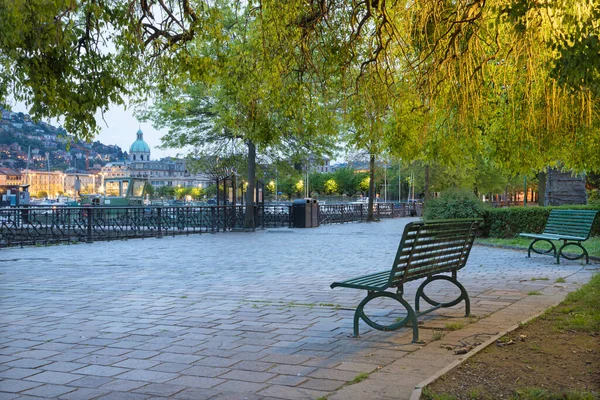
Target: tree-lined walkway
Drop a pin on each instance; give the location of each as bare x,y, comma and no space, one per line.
239,315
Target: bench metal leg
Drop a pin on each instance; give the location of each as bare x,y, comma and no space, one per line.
551,249
584,252
463,295
410,317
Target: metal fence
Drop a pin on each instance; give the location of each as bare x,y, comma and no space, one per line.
340,213
20,226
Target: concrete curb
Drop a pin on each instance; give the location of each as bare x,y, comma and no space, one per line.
508,247
418,390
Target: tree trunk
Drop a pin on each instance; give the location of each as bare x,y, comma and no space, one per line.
541,188
370,216
249,211
427,192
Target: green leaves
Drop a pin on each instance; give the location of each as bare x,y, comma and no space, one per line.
52,59
515,80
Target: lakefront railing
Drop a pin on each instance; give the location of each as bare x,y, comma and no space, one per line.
43,225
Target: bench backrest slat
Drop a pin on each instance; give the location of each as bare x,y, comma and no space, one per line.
577,223
431,247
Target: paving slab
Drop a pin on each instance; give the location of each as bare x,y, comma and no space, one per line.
243,315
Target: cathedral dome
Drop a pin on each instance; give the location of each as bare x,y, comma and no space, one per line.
139,150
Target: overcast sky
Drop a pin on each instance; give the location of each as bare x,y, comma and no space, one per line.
120,128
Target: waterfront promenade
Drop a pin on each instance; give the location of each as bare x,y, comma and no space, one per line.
242,315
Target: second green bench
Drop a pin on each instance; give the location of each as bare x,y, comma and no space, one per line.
570,226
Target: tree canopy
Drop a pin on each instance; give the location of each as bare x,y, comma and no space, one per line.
515,81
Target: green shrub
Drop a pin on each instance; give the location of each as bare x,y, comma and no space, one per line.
509,222
454,204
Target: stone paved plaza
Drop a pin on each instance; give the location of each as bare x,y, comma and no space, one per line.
241,315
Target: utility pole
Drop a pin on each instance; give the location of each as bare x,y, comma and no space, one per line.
385,183
412,184
27,169
48,176
399,185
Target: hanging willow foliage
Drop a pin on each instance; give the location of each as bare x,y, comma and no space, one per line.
514,79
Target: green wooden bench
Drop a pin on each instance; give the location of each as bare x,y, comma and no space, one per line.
427,249
570,226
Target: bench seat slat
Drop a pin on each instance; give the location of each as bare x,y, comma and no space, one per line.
438,233
582,225
552,236
433,258
377,281
572,223
564,232
558,211
431,241
568,227
431,250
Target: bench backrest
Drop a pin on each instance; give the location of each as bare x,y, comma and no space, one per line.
577,223
432,247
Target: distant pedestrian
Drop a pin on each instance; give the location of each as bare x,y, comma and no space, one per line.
77,186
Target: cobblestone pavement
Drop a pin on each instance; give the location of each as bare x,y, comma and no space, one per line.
240,315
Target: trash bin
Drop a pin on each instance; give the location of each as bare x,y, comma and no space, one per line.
314,213
301,209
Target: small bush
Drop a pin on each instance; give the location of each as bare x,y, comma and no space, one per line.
454,204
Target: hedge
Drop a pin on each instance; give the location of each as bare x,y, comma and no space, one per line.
509,222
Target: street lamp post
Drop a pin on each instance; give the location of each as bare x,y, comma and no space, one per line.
385,183
399,184
306,188
48,175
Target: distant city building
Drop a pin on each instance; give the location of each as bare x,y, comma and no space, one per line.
318,164
322,166
9,177
114,170
55,183
43,181
165,172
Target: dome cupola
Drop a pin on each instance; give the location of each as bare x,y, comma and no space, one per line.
139,150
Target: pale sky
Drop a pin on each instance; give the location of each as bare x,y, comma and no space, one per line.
120,128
